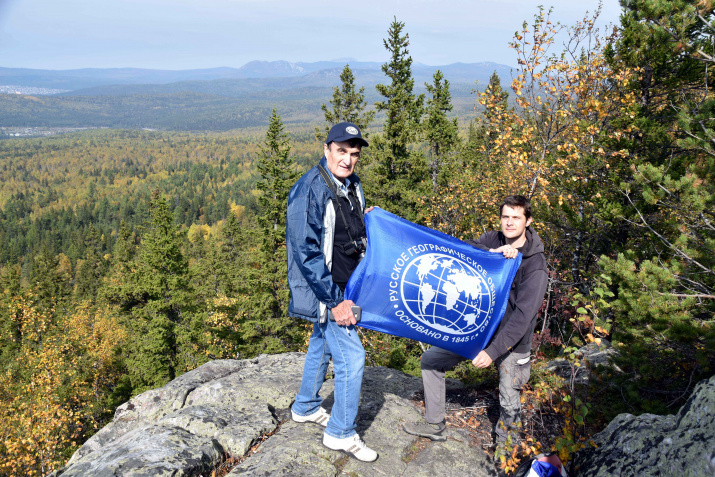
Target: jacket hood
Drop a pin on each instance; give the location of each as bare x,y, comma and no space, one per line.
533,243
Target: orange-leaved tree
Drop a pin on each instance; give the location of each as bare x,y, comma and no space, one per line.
558,145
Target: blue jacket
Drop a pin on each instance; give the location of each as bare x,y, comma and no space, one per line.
310,228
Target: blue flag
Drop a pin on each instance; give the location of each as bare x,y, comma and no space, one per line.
422,284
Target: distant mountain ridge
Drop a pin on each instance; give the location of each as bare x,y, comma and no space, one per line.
215,99
321,73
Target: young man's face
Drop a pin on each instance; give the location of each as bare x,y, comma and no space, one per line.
514,223
341,158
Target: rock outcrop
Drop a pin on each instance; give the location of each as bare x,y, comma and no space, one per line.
588,357
648,445
223,408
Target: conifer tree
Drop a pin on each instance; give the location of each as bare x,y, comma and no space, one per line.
92,268
483,132
440,132
124,247
51,276
278,174
233,270
114,289
269,308
403,108
499,97
347,105
667,184
235,248
161,305
397,175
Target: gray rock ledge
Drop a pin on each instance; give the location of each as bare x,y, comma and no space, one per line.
220,409
648,445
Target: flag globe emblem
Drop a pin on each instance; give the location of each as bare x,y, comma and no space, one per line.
446,294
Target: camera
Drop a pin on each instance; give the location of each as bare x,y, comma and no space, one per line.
357,246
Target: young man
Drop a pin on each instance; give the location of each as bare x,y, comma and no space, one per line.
325,235
510,347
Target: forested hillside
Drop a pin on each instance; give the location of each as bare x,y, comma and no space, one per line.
218,99
281,74
54,189
182,111
176,109
132,257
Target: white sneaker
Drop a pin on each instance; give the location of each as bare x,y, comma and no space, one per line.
320,416
351,445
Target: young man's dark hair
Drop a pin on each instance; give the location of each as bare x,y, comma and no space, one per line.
517,201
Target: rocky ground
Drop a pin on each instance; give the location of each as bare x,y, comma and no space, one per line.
235,414
231,418
470,412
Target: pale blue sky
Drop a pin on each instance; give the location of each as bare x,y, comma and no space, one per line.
186,34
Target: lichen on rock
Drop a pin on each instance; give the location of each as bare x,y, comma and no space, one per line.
222,408
648,445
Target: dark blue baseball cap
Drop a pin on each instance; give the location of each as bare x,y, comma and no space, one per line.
345,132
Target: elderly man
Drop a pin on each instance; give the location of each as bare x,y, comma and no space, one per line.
510,347
325,235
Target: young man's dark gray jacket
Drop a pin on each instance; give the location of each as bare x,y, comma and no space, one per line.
527,293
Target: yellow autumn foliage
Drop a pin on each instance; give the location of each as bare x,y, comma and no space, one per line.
53,392
553,135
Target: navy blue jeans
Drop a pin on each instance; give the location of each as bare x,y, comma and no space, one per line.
343,345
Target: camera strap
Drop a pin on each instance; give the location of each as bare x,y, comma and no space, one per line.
334,190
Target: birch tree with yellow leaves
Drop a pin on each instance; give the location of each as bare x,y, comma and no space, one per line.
56,390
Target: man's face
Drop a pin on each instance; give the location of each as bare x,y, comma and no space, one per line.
341,158
514,223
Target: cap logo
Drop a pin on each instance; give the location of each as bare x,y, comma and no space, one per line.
352,130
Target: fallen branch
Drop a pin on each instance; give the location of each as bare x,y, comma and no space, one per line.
683,295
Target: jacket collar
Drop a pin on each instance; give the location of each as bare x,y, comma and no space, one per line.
532,246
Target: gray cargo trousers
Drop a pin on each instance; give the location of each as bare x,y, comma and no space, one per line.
514,372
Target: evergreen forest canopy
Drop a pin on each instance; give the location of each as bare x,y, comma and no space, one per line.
132,257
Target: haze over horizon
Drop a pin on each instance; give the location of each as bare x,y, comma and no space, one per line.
183,34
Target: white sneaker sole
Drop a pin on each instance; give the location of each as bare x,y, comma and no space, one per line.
352,451
322,419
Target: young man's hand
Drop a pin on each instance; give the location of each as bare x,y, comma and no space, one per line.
507,250
482,360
